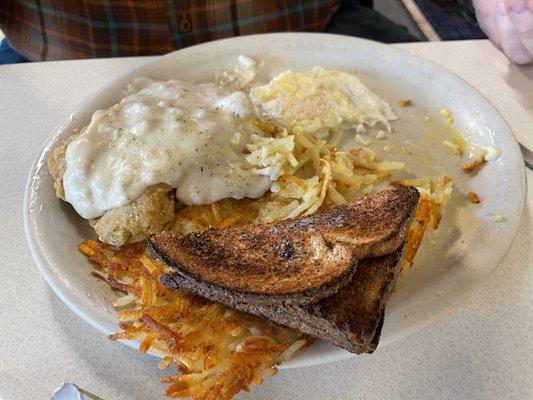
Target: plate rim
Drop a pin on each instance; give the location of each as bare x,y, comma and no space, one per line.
51,140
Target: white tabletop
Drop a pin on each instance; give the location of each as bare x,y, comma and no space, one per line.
483,351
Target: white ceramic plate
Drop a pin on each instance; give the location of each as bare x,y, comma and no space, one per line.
465,250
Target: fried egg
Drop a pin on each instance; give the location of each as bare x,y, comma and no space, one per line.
316,101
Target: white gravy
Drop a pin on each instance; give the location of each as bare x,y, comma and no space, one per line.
190,136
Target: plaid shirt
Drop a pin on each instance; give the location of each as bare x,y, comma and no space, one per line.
68,29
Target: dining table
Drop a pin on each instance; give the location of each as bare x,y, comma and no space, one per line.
483,350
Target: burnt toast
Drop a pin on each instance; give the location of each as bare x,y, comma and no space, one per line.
352,318
292,262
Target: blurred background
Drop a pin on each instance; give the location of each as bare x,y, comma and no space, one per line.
396,11
42,30
414,16
433,20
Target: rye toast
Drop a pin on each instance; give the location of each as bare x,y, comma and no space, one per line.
292,262
352,318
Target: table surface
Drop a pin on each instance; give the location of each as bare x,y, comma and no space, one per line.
483,351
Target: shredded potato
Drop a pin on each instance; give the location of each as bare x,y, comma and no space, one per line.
457,150
271,155
321,177
219,351
434,195
474,164
473,198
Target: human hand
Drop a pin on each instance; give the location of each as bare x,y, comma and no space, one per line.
509,24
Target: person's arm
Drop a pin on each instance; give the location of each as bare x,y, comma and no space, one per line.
509,24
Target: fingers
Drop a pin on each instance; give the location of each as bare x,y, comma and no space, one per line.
517,6
510,40
522,19
509,24
485,17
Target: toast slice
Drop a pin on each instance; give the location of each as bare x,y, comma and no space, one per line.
258,265
352,318
293,262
